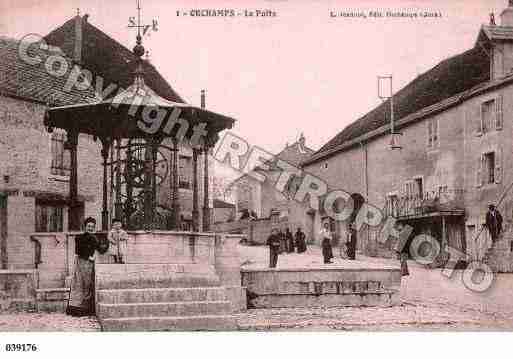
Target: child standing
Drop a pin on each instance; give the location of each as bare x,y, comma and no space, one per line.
118,241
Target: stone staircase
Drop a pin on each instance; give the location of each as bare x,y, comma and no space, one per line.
177,297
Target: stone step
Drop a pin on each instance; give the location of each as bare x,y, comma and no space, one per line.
190,323
148,295
176,309
52,299
137,276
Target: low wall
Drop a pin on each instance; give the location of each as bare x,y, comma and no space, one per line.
326,287
17,289
54,255
167,247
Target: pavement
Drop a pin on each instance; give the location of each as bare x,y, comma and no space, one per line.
429,302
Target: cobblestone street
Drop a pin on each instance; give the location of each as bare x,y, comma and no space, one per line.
430,301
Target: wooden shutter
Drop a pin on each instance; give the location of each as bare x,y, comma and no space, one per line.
479,171
437,133
498,165
498,112
478,120
429,142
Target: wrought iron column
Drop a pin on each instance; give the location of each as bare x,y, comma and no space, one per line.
118,206
74,215
106,142
148,185
129,184
195,212
206,201
175,195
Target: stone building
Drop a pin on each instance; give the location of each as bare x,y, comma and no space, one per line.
262,198
456,127
35,164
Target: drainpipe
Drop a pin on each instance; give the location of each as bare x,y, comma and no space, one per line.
365,177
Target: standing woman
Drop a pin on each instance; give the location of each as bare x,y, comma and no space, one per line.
326,238
81,298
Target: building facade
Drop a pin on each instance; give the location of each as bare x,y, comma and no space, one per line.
35,164
456,142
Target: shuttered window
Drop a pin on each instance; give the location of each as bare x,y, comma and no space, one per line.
49,217
60,156
433,133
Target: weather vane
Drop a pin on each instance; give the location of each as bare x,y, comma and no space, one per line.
133,23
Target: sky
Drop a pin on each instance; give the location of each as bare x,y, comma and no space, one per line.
300,71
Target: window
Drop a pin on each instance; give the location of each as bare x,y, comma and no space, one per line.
60,157
49,217
489,160
487,115
433,133
325,165
185,172
419,188
490,115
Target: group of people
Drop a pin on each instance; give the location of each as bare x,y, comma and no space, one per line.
280,242
348,246
81,297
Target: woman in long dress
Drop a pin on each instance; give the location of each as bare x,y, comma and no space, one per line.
81,298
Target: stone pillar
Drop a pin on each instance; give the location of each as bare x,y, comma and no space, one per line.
195,212
206,199
74,214
106,142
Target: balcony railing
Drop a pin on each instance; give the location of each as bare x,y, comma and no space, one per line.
425,203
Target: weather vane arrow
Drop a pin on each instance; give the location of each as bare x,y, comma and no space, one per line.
136,23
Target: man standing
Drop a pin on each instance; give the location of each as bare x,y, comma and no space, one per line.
290,240
300,241
351,244
274,248
326,237
493,222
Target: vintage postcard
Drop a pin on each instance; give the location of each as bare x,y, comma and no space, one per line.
260,165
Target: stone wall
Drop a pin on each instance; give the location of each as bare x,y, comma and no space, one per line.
17,289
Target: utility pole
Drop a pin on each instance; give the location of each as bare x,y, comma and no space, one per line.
394,140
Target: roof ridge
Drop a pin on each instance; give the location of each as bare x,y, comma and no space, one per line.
442,70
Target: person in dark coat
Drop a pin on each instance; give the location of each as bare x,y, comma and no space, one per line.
81,297
326,238
283,241
493,222
351,245
300,241
274,243
290,240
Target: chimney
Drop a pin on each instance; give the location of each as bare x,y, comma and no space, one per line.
507,15
203,99
302,140
77,51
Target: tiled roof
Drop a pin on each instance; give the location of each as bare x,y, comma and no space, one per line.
33,82
498,32
295,154
104,56
450,77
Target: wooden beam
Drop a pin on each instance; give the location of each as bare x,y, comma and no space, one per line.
74,208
